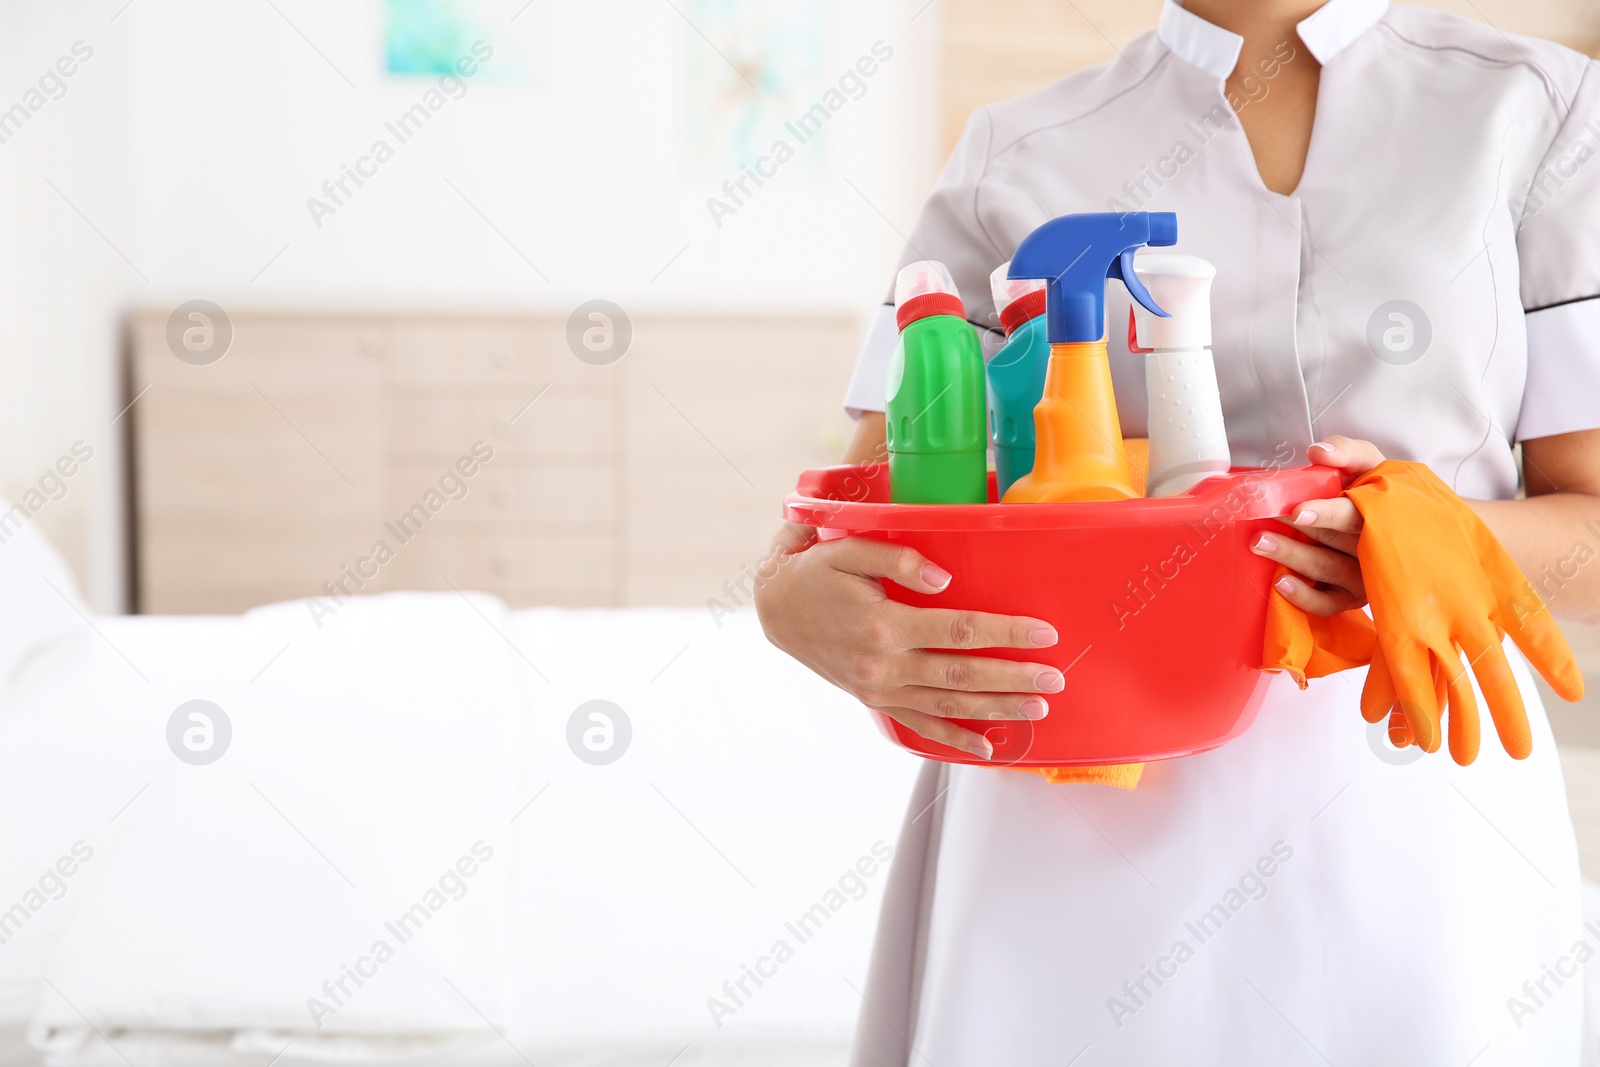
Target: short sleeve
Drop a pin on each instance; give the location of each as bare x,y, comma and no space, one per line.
869,384
1558,244
948,230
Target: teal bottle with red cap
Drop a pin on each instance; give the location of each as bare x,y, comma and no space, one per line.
934,417
1016,373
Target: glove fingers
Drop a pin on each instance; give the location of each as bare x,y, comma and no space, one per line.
1441,683
1417,697
1399,731
1465,731
1377,696
1500,692
1541,640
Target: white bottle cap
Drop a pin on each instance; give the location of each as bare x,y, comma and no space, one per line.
921,279
1181,286
1008,291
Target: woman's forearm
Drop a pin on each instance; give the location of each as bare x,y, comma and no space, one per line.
869,444
1555,539
1554,535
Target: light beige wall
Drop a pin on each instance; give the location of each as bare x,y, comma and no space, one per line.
995,49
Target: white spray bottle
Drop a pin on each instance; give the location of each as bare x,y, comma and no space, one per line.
1188,439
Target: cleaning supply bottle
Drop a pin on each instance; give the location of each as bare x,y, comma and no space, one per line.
1016,373
934,415
1079,452
1188,439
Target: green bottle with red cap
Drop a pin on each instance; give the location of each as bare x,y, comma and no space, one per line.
935,413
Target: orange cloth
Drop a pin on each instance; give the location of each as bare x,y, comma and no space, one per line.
1116,775
1440,584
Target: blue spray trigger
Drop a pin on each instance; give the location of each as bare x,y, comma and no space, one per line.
1075,254
1123,271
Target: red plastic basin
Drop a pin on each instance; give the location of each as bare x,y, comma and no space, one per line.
1160,605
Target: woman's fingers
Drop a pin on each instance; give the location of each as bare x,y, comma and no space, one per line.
936,729
1315,563
942,628
871,558
1353,458
1314,601
951,704
981,674
1334,522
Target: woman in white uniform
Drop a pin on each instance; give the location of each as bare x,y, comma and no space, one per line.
1402,207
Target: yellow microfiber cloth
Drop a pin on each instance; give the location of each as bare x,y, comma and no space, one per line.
1116,775
1138,452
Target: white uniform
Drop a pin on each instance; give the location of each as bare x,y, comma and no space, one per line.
1303,895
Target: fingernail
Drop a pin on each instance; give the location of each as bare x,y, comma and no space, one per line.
1043,636
1326,447
1305,518
1050,682
1287,585
982,749
1034,709
935,576
1266,543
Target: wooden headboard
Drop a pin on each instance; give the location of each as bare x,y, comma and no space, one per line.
337,451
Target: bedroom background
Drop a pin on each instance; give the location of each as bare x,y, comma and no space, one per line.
240,343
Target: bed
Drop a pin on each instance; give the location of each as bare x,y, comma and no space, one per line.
692,879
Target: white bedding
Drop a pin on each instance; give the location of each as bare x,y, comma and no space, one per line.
750,789
368,761
748,797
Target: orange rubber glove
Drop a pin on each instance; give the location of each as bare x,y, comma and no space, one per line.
1440,584
1309,646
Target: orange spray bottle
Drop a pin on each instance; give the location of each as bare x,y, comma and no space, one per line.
1079,452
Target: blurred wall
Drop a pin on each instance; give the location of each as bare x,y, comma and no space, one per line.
65,199
996,49
178,163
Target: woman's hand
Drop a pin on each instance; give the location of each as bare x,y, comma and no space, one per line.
1327,575
823,603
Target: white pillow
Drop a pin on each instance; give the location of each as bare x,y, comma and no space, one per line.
40,603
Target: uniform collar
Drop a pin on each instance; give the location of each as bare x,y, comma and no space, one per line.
1325,33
